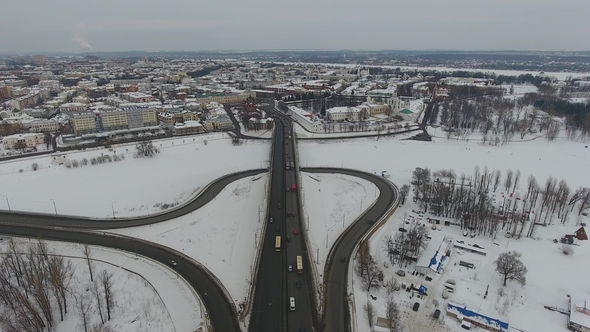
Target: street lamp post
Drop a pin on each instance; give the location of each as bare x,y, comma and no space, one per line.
113,208
54,206
7,202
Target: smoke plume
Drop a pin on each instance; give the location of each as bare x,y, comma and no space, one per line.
79,37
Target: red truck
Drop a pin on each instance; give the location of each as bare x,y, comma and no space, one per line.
293,187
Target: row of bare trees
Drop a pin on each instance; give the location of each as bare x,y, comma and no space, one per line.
496,118
471,199
406,244
34,283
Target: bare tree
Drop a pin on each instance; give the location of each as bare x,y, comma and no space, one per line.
393,316
497,176
106,279
370,312
95,288
83,306
86,252
508,180
145,149
511,267
403,192
516,178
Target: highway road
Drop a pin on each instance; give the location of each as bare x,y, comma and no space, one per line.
205,197
219,307
336,314
269,304
299,286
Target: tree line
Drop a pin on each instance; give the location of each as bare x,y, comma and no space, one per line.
470,199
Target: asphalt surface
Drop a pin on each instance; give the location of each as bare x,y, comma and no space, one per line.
219,308
205,197
336,313
269,306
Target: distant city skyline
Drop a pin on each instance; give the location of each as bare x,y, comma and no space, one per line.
70,26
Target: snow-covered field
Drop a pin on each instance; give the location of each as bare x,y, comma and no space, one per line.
331,203
222,235
551,274
131,187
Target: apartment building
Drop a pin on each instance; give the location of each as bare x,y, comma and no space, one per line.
84,123
72,108
232,99
44,126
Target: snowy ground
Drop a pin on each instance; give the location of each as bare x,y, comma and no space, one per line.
331,203
222,235
131,187
551,274
148,296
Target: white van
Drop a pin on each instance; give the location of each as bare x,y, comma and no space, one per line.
292,303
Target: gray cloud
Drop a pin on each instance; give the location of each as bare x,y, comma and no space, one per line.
119,25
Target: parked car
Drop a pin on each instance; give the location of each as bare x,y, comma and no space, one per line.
401,273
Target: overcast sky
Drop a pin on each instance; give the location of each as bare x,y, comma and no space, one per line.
123,25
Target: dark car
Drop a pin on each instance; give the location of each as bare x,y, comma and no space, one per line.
293,214
288,239
370,221
343,259
278,228
428,278
279,205
298,284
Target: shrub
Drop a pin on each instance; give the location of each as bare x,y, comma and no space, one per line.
567,250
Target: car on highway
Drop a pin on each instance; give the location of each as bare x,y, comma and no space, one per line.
298,284
290,268
278,228
370,221
293,214
343,259
173,263
288,239
295,231
271,219
279,205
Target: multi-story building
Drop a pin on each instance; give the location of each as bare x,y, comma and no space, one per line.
44,126
21,141
117,119
113,120
232,99
39,59
84,123
137,97
72,107
5,92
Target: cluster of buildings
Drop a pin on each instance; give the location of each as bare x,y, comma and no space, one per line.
81,95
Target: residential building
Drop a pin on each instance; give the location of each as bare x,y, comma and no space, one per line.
39,59
187,128
231,99
84,123
137,97
44,126
5,92
343,113
20,141
72,108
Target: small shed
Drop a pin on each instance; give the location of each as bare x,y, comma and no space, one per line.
580,234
